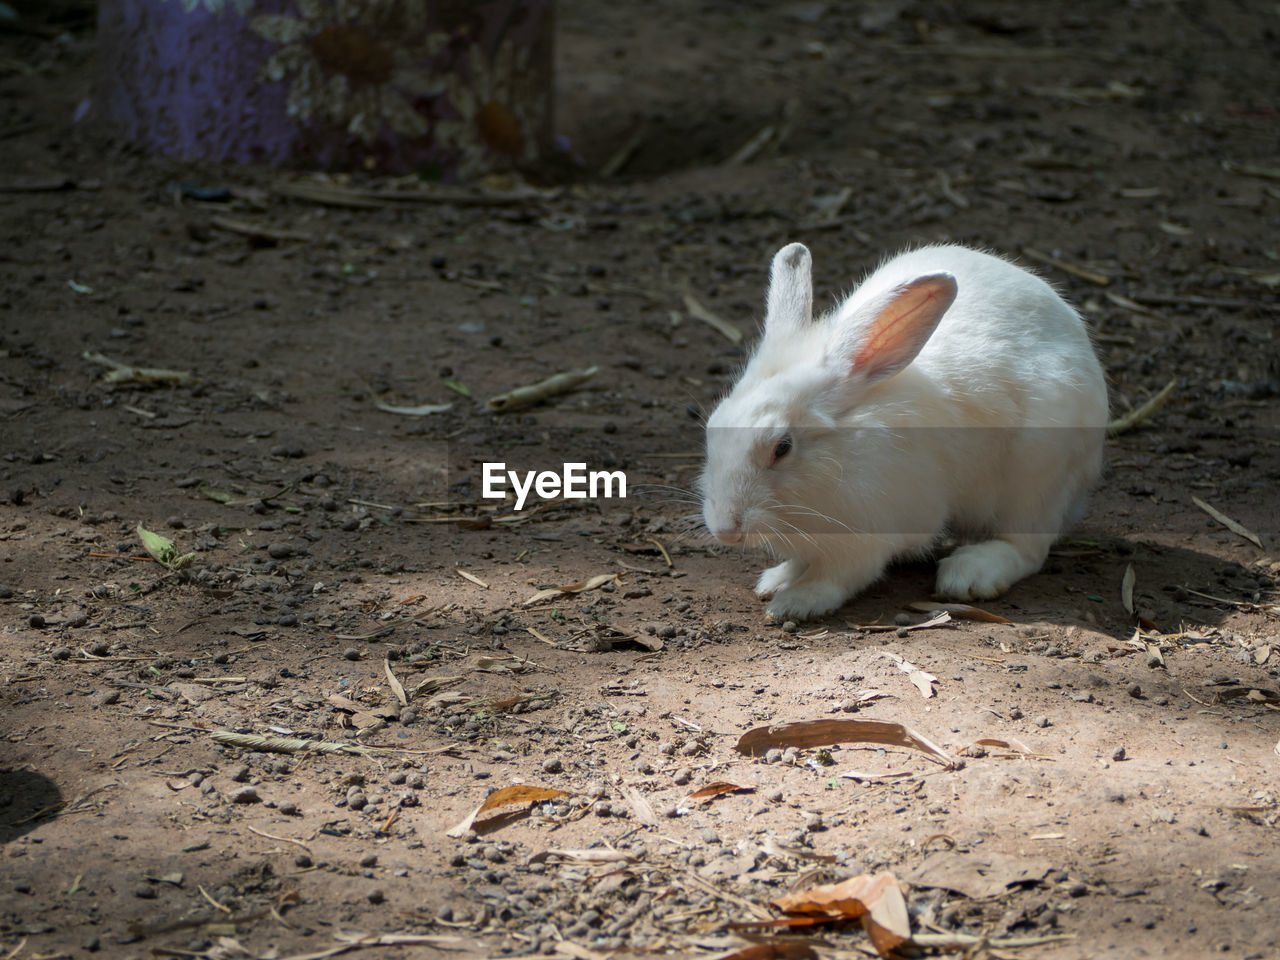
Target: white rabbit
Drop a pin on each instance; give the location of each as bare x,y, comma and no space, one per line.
952,393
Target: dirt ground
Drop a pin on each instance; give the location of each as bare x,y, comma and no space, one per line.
1127,802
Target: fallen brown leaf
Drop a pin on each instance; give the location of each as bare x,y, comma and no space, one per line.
875,900
713,790
599,580
781,950
821,733
961,611
519,793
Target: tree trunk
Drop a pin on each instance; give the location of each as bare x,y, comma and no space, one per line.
445,88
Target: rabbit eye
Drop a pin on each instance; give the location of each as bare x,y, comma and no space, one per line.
782,449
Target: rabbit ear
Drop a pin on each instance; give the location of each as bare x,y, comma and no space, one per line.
886,334
790,305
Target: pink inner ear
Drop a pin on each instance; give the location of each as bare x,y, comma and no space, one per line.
896,335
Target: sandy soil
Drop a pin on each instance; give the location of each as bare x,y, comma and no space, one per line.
1127,151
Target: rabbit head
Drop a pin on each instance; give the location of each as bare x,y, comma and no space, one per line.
774,442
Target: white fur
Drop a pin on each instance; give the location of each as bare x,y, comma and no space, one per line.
994,429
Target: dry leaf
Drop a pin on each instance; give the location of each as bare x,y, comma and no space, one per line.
779,849
877,901
603,855
1126,588
570,949
552,386
1143,412
472,577
774,950
713,790
822,733
924,681
977,876
939,619
511,796
696,310
875,777
1222,518
639,805
599,580
511,664
961,611
396,688
423,411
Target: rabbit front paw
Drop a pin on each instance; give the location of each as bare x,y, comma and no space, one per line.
979,571
777,578
804,600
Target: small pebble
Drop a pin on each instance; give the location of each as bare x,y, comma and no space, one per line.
241,773
279,550
369,860
1043,722
60,653
351,653
144,891
1118,754
552,765
289,808
37,622
246,795
709,835
375,895
302,861
108,697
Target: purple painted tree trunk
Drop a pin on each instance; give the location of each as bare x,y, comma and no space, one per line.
448,88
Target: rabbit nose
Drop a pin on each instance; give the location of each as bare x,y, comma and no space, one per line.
728,534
